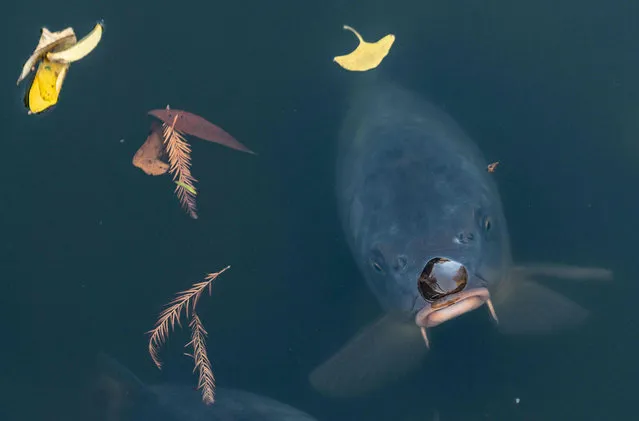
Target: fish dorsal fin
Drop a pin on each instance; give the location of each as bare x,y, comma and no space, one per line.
380,353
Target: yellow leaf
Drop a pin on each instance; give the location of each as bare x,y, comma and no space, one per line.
367,55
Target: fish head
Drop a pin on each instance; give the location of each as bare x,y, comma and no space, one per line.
435,238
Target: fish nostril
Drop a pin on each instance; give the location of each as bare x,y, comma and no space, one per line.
465,238
401,263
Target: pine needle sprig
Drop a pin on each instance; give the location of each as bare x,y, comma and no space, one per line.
206,379
179,156
170,316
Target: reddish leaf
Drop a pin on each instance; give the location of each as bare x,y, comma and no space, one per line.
197,126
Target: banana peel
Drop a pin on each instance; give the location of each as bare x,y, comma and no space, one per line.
80,49
49,41
46,86
53,54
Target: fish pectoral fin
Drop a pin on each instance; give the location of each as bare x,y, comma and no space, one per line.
526,307
531,308
560,271
378,354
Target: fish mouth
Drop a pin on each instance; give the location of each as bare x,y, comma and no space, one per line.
443,284
451,306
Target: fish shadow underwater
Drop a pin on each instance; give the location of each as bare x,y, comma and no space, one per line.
118,395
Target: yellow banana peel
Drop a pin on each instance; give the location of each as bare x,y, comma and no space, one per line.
54,52
48,41
80,49
46,86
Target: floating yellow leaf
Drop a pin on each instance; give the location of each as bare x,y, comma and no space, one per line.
367,55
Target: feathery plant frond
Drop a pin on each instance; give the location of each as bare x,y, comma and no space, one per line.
206,379
184,300
179,155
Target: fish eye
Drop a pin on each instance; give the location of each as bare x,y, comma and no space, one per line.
487,224
441,277
377,261
378,268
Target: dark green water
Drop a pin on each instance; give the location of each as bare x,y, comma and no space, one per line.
91,248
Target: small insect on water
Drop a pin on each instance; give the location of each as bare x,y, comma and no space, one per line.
491,167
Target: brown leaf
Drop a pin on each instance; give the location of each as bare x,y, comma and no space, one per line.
197,126
149,157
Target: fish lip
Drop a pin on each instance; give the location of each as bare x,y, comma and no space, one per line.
451,306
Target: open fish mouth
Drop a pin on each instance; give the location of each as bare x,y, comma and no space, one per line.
452,306
442,283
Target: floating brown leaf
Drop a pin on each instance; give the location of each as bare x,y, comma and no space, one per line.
179,153
197,126
149,158
172,143
164,142
170,316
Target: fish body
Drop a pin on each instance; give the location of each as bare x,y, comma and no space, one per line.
127,398
230,404
424,221
411,186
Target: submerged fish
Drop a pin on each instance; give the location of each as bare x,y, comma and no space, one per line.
127,398
425,223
